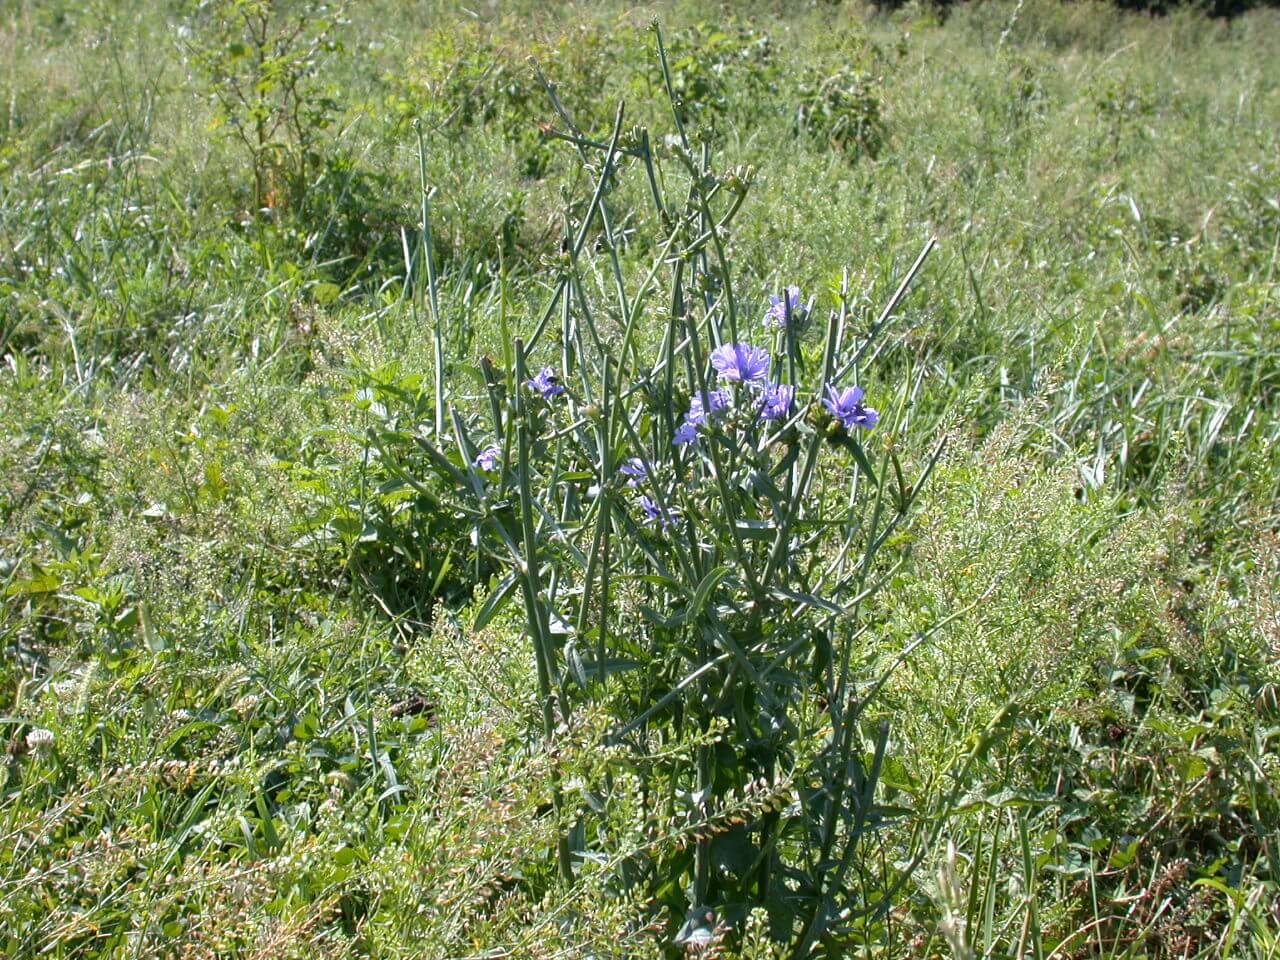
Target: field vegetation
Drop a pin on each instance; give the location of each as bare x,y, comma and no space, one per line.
325,635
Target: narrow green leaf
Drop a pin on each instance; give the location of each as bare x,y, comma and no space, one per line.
704,591
756,529
496,600
859,456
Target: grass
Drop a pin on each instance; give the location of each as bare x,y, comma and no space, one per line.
274,727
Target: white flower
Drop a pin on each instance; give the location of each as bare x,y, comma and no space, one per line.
40,740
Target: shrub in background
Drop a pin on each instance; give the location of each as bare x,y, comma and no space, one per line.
712,67
262,60
467,78
845,108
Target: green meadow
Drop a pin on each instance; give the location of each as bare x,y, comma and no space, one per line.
269,690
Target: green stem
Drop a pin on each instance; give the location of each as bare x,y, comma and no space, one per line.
429,260
535,613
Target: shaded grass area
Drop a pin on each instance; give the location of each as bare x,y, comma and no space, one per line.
273,728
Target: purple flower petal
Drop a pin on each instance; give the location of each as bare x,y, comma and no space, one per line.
685,433
634,469
653,512
546,383
780,308
702,405
741,362
847,407
776,401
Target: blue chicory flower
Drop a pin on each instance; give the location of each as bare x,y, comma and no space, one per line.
487,458
779,308
685,433
847,407
633,469
740,361
654,512
702,405
546,383
776,400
